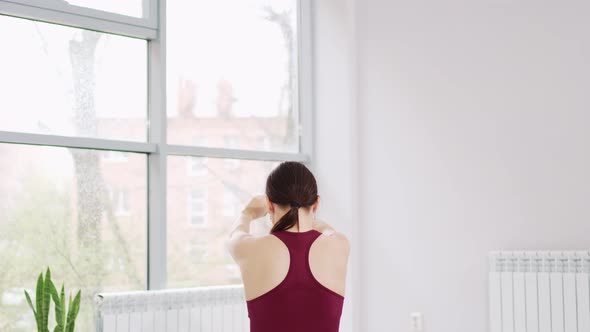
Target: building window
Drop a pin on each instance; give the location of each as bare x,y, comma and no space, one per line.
263,143
197,252
231,142
197,166
231,164
197,201
119,198
231,201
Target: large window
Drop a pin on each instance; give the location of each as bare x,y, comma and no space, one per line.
73,211
130,140
232,66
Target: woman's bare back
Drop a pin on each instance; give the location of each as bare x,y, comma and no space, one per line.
266,263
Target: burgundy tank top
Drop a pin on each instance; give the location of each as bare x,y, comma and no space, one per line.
299,303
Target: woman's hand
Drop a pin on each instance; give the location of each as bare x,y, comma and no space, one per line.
257,207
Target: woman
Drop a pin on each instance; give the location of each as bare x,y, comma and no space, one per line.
294,277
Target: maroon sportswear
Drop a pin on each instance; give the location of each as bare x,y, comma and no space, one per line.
299,303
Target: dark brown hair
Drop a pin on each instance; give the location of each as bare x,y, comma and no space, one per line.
291,183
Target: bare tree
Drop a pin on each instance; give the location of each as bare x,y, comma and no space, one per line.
283,20
91,190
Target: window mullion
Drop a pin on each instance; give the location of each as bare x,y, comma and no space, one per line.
157,182
304,95
76,142
200,151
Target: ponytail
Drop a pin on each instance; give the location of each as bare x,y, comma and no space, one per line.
287,221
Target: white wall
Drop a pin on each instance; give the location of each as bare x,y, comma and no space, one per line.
334,122
474,129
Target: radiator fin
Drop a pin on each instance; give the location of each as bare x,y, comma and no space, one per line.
539,291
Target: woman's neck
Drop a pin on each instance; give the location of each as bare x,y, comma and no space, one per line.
305,222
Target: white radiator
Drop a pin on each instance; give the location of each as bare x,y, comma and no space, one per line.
206,309
544,291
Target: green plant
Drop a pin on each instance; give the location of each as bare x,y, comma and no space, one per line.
66,320
45,291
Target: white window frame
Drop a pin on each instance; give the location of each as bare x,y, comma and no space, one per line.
152,28
56,11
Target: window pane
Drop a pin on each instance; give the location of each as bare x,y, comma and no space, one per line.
124,7
232,73
201,211
76,211
67,81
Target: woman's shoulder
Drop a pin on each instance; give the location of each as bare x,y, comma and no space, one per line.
254,246
330,233
335,240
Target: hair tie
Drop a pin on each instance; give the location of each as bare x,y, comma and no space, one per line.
295,204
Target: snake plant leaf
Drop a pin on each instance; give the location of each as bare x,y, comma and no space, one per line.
60,314
39,302
53,291
77,300
69,327
63,307
30,303
54,294
73,310
46,298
